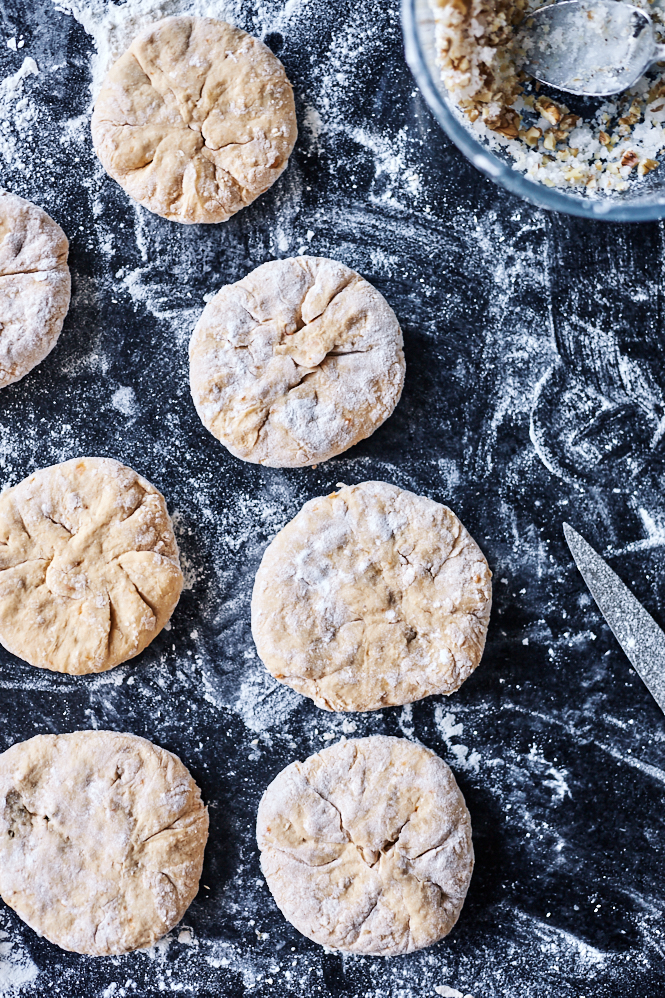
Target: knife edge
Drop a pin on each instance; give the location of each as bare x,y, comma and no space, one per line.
640,637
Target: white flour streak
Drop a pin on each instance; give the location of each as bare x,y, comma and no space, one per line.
558,784
582,736
12,84
449,730
18,109
556,942
655,536
629,760
16,967
262,702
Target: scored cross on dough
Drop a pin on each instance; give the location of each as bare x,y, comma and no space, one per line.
371,597
296,362
89,568
195,120
366,846
101,839
35,286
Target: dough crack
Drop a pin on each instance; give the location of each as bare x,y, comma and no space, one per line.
151,605
333,805
28,561
57,523
358,928
176,822
343,353
391,843
224,145
171,881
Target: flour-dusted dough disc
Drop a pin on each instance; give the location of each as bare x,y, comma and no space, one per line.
89,568
35,286
296,362
195,120
101,839
366,846
371,597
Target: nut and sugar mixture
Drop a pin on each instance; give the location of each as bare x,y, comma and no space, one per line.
616,141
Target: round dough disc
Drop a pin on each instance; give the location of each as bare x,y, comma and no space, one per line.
296,362
371,597
101,839
195,120
89,568
366,846
35,286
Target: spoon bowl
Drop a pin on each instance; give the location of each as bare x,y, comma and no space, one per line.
595,48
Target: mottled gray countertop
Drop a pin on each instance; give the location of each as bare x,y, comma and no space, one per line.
535,393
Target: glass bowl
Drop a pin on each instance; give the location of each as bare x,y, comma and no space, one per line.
642,202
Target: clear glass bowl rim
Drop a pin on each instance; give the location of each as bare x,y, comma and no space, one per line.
484,160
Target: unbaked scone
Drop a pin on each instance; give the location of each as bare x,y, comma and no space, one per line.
89,567
195,120
101,839
370,597
296,362
35,286
366,846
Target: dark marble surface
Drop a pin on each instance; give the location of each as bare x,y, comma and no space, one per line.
535,392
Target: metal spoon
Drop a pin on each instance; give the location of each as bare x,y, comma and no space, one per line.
592,47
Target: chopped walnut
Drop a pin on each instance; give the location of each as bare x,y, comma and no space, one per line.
531,136
646,166
549,110
629,159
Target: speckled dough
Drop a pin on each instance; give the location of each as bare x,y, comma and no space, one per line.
101,839
296,362
366,846
195,120
372,597
89,569
35,286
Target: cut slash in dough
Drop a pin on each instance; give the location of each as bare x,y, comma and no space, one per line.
101,839
89,568
366,846
35,286
195,120
372,597
296,362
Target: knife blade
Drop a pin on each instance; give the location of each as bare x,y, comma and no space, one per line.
637,632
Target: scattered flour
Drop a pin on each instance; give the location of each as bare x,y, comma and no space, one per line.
448,729
19,108
16,967
124,400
